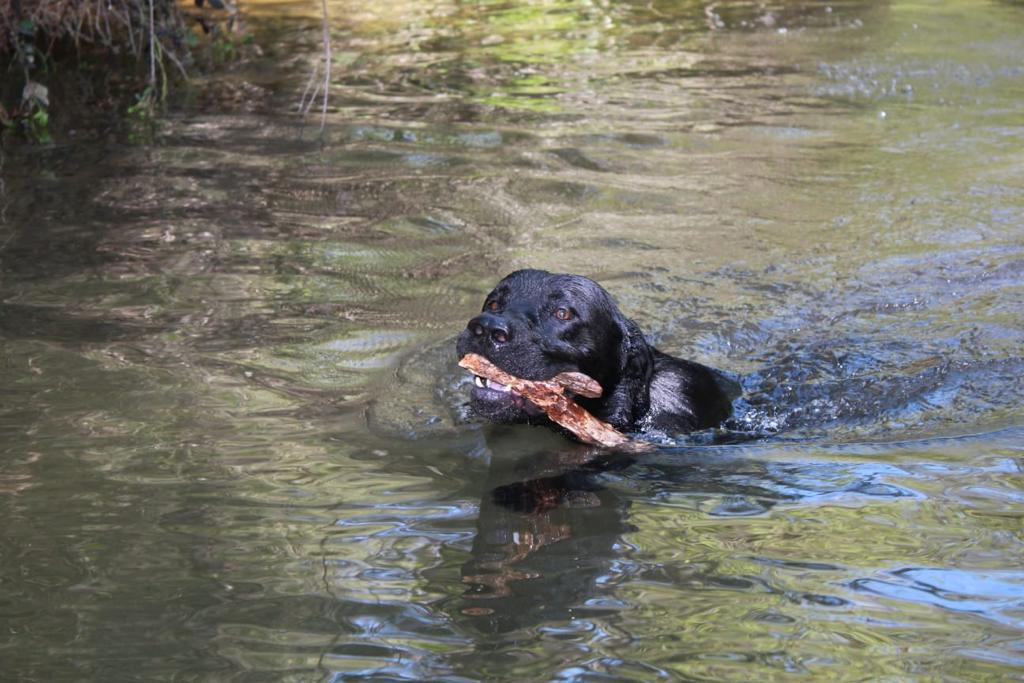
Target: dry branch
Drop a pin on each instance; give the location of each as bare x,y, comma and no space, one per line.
550,396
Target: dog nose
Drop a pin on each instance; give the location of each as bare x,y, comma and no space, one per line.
495,328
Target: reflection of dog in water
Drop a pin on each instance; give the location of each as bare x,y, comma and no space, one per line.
549,528
545,532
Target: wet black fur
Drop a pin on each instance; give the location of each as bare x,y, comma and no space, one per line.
645,390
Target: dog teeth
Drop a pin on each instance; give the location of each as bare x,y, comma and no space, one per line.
485,383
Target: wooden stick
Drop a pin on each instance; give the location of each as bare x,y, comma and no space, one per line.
549,396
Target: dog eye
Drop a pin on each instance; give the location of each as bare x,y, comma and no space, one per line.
563,314
492,305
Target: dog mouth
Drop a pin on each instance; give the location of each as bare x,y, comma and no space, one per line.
484,383
491,391
492,394
490,384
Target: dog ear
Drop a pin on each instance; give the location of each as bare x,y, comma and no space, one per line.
638,360
628,394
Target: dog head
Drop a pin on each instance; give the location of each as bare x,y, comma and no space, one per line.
536,324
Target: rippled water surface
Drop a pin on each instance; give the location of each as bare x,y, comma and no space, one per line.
234,442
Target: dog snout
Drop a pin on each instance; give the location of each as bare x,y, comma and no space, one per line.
490,327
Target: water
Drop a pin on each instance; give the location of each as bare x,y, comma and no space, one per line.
233,434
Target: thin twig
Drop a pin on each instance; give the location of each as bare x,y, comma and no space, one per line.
131,31
3,200
312,98
152,47
309,84
77,32
327,66
175,61
108,36
163,71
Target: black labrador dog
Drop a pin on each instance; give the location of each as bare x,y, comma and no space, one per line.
536,324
